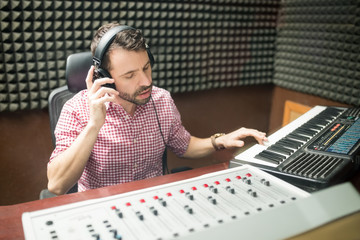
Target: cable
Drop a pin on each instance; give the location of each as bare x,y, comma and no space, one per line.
164,157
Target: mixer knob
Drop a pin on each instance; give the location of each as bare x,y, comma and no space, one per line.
154,211
230,189
96,236
213,189
116,235
265,182
188,209
162,202
119,213
252,193
189,196
212,200
139,215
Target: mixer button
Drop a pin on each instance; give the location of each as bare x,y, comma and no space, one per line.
217,182
169,194
194,188
228,180
206,185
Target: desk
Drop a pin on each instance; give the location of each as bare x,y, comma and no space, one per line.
10,216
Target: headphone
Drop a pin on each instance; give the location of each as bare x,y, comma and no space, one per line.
103,46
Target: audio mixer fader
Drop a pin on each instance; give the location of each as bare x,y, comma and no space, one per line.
167,211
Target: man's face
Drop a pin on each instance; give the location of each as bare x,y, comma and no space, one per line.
132,74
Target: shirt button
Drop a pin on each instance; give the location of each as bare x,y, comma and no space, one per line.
135,165
134,140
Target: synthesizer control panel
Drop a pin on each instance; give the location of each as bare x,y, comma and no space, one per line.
342,136
167,211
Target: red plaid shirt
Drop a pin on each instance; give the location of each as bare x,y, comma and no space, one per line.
127,148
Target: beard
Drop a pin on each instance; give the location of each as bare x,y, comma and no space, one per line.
132,98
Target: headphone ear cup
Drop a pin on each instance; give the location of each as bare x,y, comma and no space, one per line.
101,73
151,57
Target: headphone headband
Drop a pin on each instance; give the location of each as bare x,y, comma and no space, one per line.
105,42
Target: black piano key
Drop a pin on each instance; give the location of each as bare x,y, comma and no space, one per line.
266,159
306,132
298,137
312,126
280,149
289,143
273,155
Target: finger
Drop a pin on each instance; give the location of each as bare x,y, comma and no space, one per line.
98,83
89,77
239,143
104,91
261,138
104,99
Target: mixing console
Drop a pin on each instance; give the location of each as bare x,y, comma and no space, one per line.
167,211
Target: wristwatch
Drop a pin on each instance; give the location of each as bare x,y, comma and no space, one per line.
213,138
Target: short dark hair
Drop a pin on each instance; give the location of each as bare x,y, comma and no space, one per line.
129,39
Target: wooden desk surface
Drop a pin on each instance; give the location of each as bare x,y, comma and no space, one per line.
10,216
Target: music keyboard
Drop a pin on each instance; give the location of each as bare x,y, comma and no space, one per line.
288,156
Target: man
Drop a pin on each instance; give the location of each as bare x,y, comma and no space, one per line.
107,136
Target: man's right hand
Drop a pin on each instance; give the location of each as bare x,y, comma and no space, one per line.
98,96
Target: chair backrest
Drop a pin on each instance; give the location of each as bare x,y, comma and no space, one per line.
77,68
57,99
